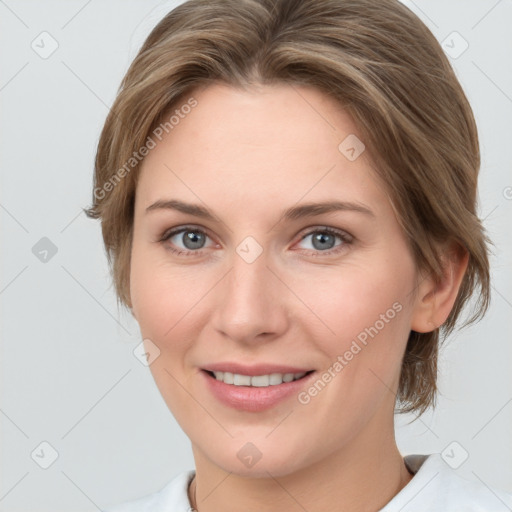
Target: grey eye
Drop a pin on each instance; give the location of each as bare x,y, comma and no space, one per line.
193,239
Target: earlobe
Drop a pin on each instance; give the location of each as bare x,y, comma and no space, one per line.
436,297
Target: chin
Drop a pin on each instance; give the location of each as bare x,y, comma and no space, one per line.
257,458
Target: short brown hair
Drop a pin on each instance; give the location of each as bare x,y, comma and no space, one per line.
379,62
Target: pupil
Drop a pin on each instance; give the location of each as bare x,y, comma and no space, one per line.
322,238
193,240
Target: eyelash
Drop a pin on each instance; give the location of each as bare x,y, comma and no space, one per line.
345,238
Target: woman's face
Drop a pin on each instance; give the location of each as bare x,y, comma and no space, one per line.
265,280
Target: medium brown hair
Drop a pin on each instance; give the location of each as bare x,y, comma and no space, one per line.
381,64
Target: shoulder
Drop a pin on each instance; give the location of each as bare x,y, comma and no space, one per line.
171,497
436,486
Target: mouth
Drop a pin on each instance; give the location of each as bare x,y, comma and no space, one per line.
255,387
257,381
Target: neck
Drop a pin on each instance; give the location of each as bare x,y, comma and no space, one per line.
362,477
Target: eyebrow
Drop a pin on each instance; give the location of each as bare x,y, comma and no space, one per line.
293,213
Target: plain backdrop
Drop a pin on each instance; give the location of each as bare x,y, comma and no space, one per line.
70,379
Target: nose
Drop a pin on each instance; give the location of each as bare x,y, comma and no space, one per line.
252,304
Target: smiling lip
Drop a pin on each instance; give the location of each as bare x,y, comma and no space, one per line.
250,398
254,370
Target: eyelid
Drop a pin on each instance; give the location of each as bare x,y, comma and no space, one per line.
179,229
171,232
327,229
345,237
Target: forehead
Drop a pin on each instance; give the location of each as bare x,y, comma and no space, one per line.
277,143
285,117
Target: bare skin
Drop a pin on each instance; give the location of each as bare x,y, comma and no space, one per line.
247,156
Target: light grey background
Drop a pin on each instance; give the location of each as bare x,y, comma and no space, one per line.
69,376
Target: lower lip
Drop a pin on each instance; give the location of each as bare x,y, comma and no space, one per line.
252,398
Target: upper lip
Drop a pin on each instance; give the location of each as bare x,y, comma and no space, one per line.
254,369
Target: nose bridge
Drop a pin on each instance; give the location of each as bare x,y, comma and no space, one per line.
249,305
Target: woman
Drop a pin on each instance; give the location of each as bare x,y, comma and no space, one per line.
287,191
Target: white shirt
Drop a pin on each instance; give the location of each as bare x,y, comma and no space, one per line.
435,487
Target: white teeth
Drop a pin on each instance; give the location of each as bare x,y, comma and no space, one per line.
275,378
260,381
241,380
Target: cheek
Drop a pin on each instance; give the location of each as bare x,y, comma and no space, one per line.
156,296
165,301
361,322
347,300
161,304
169,301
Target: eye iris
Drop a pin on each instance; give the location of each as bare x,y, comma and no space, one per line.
193,240
321,238
196,239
